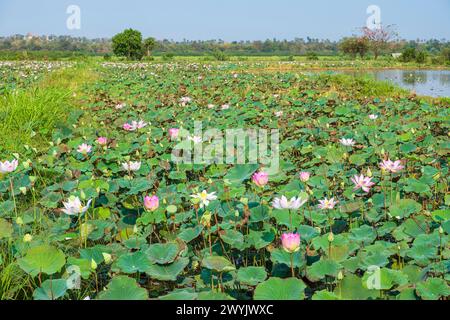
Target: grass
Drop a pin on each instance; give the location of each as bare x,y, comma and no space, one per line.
28,115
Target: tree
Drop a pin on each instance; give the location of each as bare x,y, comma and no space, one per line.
149,45
354,46
378,38
128,44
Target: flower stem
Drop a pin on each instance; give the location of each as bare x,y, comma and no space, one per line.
13,196
292,265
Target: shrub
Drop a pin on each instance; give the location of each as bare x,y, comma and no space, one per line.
446,55
220,55
312,56
168,56
408,54
354,46
421,57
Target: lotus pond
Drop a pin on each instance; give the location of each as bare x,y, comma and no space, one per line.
358,208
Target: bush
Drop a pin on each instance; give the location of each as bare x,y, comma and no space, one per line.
312,56
446,55
421,57
168,56
354,46
408,54
128,44
219,55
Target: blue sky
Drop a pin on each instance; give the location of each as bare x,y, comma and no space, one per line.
225,19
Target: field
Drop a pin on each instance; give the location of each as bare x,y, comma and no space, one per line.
93,207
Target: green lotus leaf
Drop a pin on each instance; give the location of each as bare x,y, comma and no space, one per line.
240,173
280,289
324,295
351,288
234,238
251,275
50,290
168,272
6,229
44,258
179,295
404,208
281,256
323,268
133,262
189,234
162,253
123,288
218,264
433,289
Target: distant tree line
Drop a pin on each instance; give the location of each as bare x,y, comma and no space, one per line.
131,44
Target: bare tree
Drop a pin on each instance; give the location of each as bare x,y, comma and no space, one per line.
379,38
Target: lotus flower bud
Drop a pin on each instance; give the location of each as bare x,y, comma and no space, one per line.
107,257
331,237
290,242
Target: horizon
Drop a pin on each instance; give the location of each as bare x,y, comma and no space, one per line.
203,20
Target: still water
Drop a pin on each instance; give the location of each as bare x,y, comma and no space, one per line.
435,83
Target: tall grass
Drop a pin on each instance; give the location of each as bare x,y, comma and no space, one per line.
29,115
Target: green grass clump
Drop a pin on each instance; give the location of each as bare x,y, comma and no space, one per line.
28,116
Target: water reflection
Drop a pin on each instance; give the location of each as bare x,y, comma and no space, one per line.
435,83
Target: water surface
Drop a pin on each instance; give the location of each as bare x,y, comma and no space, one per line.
435,83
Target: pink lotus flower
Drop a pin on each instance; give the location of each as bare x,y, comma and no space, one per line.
173,133
151,203
185,100
127,127
391,166
8,167
327,204
84,148
304,176
225,107
135,125
290,242
362,182
120,106
373,117
102,141
260,178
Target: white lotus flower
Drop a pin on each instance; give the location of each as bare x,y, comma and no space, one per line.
204,198
74,207
131,166
293,204
195,139
347,142
8,167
